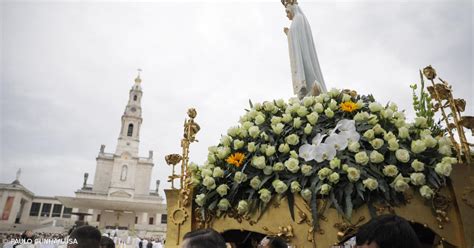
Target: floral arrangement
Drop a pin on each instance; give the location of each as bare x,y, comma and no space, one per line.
339,146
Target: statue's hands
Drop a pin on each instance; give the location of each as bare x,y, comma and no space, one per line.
285,29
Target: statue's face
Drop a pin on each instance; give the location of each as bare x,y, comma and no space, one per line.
289,14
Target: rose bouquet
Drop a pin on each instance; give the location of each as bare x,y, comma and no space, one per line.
339,146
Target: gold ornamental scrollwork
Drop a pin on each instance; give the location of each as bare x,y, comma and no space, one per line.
285,232
179,216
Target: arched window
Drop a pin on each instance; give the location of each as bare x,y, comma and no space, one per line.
135,97
130,130
123,174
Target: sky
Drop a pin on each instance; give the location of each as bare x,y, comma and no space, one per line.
67,66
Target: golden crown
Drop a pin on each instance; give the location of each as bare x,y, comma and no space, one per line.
288,2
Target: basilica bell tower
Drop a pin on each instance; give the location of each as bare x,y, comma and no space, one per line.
129,137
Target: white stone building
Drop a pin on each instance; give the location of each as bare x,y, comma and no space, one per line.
119,198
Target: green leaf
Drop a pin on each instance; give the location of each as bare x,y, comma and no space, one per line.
250,103
348,193
314,209
291,204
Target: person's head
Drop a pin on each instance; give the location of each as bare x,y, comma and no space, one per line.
272,242
203,238
387,231
106,242
86,237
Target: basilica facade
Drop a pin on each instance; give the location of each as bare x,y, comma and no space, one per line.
119,197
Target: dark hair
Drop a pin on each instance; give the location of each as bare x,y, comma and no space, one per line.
388,231
106,242
277,242
204,238
87,237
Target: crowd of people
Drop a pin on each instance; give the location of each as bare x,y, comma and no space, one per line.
385,231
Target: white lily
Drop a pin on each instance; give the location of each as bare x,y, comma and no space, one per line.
318,139
346,125
307,152
324,152
339,142
351,136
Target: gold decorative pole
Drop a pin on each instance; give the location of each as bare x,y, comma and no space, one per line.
191,128
442,91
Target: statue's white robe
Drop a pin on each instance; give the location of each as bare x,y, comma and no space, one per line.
305,69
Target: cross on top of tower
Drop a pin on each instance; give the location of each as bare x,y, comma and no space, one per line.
138,79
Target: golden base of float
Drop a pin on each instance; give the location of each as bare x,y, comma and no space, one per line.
456,230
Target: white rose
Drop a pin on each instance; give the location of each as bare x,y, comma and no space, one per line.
369,134
302,111
251,147
286,118
417,178
335,163
325,188
417,165
334,177
297,122
377,143
200,199
319,108
278,166
346,97
421,122
258,162
400,183
278,128
426,192
223,204
226,140
333,105
403,133
443,169
362,116
292,164
270,151
353,174
260,119
324,172
390,170
284,148
254,131
308,129
361,158
375,107
393,145
370,184
233,131
418,146
238,144
312,118
378,129
353,146
222,189
376,157
308,101
306,170
445,150
329,113
223,152
402,155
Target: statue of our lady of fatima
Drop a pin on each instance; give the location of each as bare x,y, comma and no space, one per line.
306,72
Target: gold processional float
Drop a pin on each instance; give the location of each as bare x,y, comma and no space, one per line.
434,198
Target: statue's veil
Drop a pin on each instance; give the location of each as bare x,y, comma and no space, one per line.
304,60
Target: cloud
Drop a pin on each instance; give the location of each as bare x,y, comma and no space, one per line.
68,67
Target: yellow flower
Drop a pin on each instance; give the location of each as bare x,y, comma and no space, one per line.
236,159
348,106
